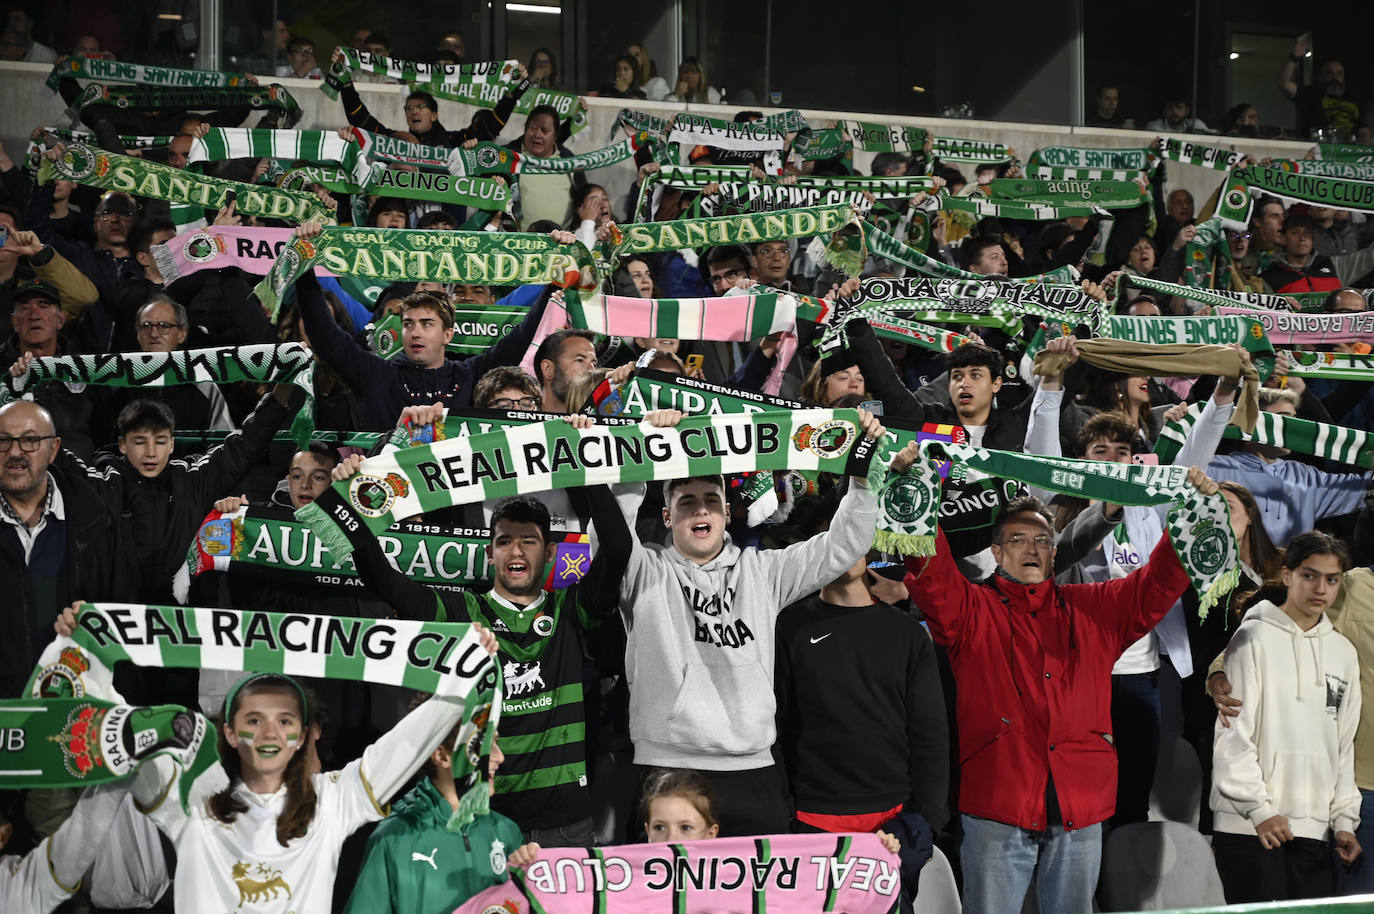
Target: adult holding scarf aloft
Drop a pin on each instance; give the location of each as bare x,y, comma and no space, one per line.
422,115
544,196
262,834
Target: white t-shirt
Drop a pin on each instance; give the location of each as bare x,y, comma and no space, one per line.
975,434
240,868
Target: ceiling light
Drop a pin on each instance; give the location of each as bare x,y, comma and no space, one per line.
532,8
1234,55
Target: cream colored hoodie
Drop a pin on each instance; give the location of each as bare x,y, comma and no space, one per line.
1291,752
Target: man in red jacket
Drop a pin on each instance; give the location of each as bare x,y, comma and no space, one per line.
1032,661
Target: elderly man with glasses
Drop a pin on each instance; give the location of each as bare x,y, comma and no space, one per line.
1033,660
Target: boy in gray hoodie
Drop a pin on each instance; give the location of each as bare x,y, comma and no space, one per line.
700,618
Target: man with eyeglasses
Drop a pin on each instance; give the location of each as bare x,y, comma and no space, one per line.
300,59
58,540
1032,661
102,262
37,320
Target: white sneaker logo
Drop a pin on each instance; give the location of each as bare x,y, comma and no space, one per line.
416,855
821,638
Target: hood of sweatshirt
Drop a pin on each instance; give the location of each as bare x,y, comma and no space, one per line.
721,564
1307,648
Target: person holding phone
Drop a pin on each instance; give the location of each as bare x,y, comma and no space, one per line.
1125,536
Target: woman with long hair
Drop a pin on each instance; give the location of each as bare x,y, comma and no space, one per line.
625,79
262,834
543,69
655,87
692,85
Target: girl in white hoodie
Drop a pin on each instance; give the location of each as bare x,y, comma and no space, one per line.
1284,770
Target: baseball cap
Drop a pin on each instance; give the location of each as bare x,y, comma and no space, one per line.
34,288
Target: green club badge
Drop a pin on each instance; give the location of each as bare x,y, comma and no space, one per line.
906,499
1207,552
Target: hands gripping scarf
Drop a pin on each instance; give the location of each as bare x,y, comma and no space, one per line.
554,455
286,363
1199,526
74,729
423,75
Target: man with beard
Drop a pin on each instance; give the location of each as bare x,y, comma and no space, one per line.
1323,105
561,357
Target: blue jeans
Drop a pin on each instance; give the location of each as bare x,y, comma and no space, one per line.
999,861
1358,878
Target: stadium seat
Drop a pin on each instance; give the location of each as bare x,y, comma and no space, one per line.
1157,866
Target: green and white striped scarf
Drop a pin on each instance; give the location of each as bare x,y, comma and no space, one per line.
1201,154
1351,171
395,255
1220,297
1344,152
981,207
973,152
284,363
486,95
554,455
646,237
475,330
78,732
1199,526
97,69
1104,194
422,75
1318,439
872,137
881,244
1133,160
1338,366
1337,193
315,146
585,161
110,171
818,145
700,130
640,120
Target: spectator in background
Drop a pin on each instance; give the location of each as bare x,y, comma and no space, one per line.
625,81
544,196
1107,112
19,32
692,85
1178,212
544,69
358,41
1177,117
1298,268
1322,106
655,87
1242,120
89,46
1266,226
1335,233
300,59
454,44
271,52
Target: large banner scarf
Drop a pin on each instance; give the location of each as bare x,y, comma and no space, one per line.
1343,152
1104,194
554,455
1337,193
1077,163
161,98
265,544
780,874
1318,439
1199,527
75,729
110,171
397,255
423,75
284,363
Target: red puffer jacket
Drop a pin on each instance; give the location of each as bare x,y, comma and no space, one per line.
1033,667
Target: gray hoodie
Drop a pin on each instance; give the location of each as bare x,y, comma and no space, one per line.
699,659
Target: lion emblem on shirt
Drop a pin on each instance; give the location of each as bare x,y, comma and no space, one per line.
257,889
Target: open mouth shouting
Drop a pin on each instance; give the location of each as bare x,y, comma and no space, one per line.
701,530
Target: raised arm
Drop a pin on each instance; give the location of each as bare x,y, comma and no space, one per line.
360,370
1288,73
598,593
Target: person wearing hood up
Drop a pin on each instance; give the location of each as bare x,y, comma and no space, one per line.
1283,769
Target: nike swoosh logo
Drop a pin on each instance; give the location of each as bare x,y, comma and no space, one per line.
821,638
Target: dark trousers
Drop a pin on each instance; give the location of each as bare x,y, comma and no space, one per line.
752,802
1135,728
1300,868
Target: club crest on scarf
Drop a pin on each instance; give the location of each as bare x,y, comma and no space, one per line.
373,496
829,439
63,678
